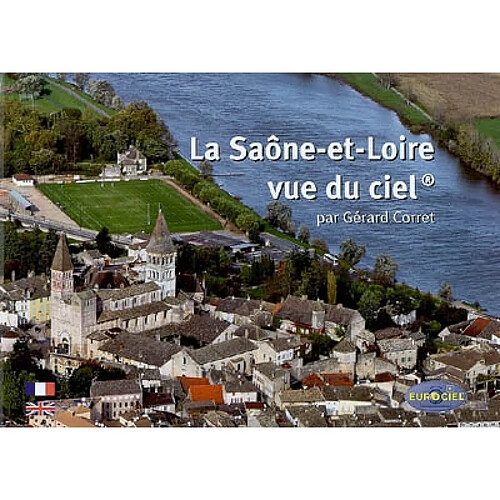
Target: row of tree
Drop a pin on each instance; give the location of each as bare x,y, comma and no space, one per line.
201,185
480,153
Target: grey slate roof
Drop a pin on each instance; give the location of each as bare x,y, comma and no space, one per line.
222,350
270,370
286,343
308,416
140,348
160,241
231,381
356,393
298,310
345,346
99,335
339,315
312,395
391,345
135,312
467,358
390,332
130,291
203,328
252,332
114,387
20,289
243,307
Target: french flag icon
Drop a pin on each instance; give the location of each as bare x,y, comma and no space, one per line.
40,388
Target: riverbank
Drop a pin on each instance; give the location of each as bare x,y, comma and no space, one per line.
473,142
417,120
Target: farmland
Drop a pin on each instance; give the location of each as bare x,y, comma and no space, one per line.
458,97
123,206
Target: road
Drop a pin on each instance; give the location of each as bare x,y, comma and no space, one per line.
46,224
80,98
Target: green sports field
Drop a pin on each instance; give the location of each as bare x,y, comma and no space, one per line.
123,206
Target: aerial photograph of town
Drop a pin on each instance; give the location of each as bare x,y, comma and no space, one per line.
250,250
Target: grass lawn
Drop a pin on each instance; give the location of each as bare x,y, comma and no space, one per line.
489,127
54,98
123,206
367,84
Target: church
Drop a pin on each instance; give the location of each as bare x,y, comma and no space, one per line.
136,308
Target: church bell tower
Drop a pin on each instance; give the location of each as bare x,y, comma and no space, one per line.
61,271
160,258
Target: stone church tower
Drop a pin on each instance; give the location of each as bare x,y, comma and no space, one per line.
160,258
61,272
73,314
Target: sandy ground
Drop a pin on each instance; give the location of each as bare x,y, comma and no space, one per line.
47,209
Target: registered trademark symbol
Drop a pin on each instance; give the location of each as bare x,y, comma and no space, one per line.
428,180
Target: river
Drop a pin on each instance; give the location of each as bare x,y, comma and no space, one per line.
462,247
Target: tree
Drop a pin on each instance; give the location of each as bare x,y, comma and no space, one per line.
206,169
247,222
48,249
388,79
81,80
72,132
445,292
103,240
321,345
320,245
331,287
304,234
43,160
31,85
102,91
402,300
385,270
370,304
351,252
138,124
81,379
280,216
62,76
117,103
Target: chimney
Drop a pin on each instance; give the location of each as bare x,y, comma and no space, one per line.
246,333
157,337
13,275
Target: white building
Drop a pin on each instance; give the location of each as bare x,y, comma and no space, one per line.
23,180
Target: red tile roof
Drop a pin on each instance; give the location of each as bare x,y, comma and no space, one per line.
188,382
337,380
22,177
384,377
254,405
277,307
207,393
313,380
476,327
